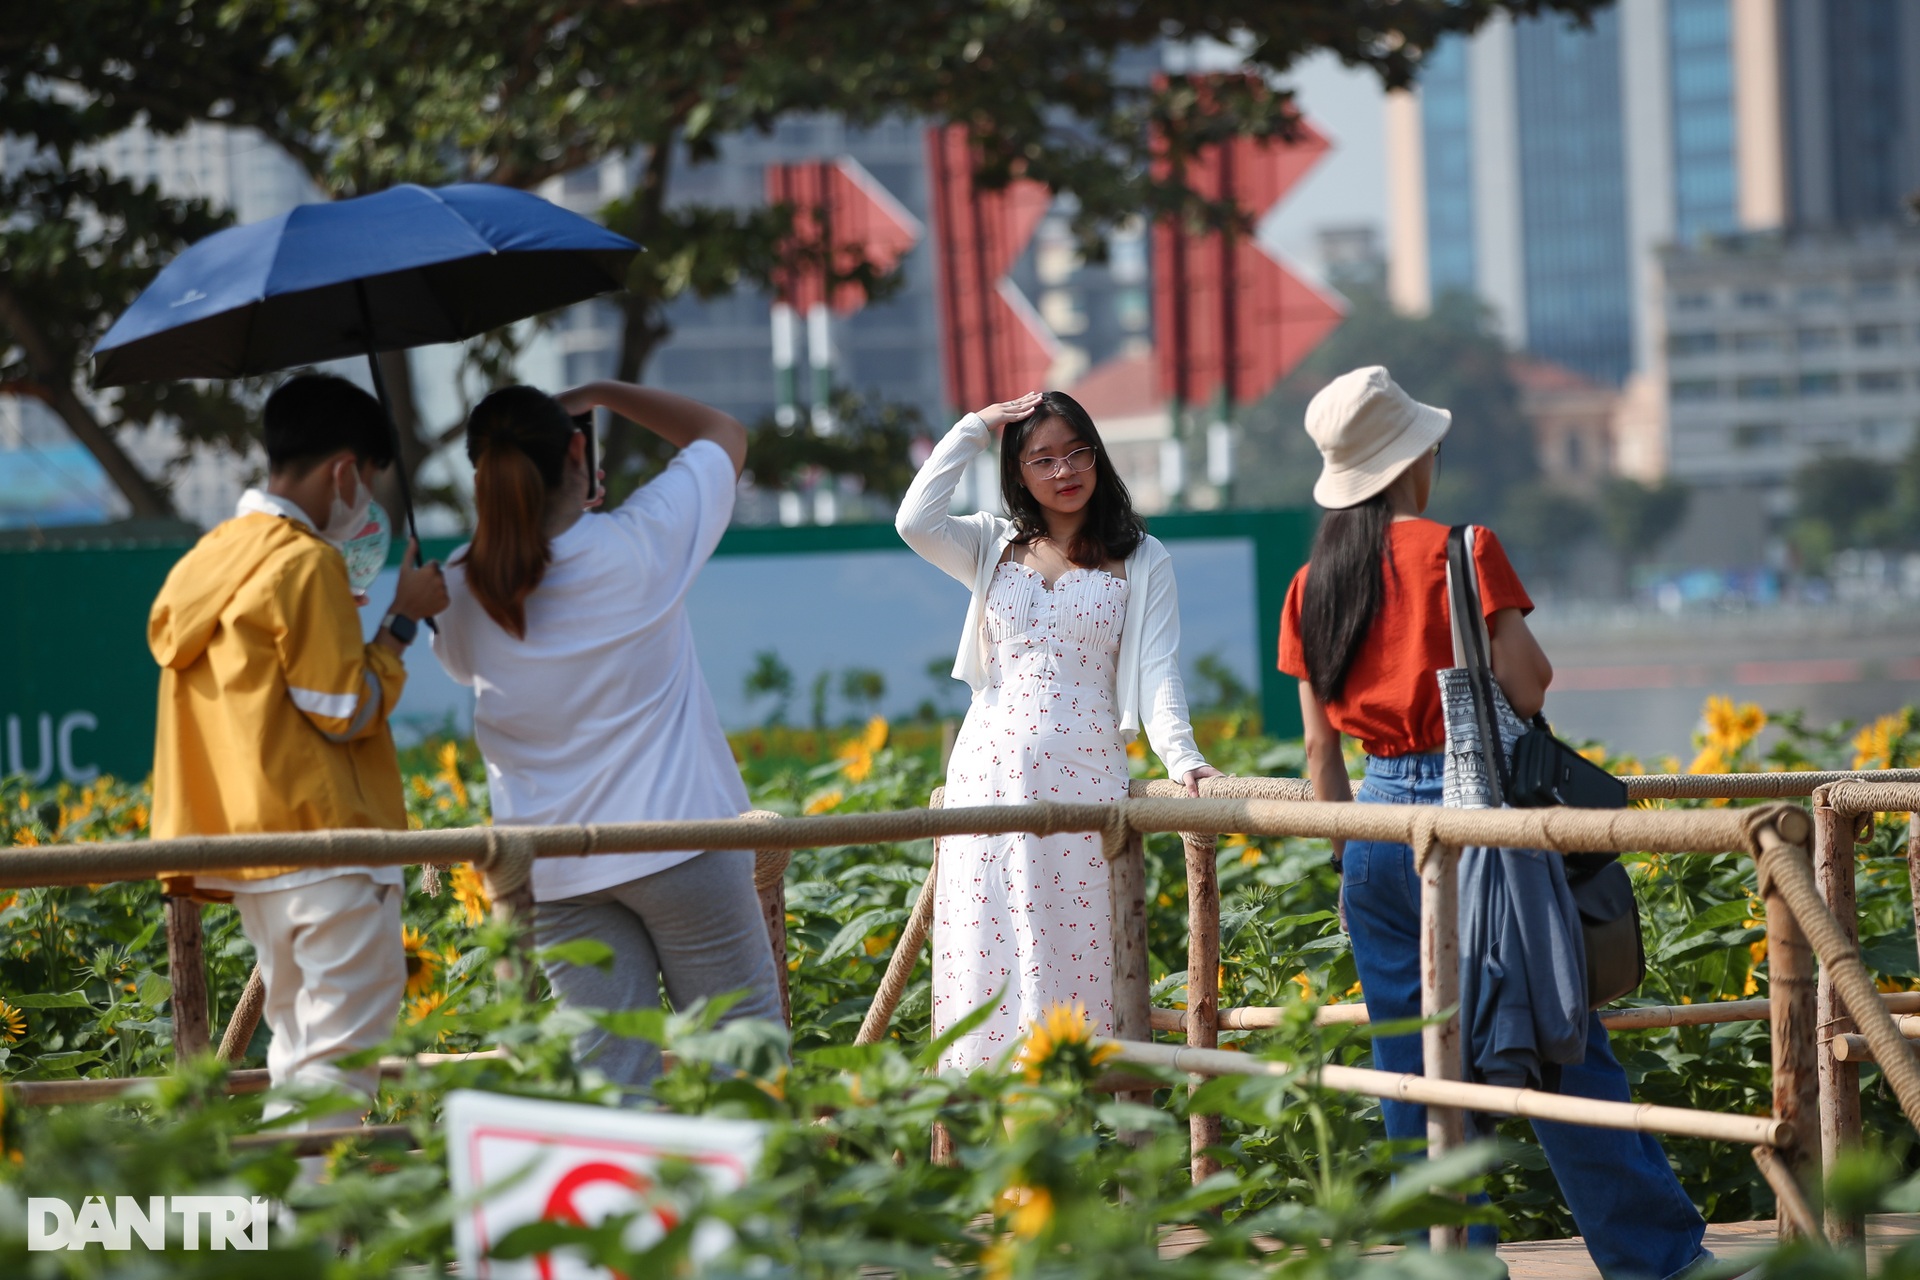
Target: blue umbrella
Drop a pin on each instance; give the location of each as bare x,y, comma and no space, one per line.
401,268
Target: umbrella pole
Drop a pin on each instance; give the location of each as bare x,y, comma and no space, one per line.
386,407
393,424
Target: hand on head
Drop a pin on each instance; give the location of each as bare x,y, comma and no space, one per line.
422,591
999,415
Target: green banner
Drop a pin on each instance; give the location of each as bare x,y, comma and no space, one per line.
80,697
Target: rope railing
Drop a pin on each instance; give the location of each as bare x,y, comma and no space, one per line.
1778,836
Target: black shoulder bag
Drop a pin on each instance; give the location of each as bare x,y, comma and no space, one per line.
1545,772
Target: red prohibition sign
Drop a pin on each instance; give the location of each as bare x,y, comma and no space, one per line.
560,1202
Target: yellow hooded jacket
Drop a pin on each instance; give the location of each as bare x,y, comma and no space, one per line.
273,711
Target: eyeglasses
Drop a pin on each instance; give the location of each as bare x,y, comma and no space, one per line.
1080,459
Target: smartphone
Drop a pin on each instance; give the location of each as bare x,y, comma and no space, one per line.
584,421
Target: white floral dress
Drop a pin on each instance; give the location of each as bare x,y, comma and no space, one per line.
1023,921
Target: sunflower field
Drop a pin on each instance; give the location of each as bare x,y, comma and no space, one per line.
84,992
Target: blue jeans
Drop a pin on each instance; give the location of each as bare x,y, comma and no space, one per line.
1629,1206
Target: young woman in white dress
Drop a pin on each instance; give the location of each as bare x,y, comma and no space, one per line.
1071,641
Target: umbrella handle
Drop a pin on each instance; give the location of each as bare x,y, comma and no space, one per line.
393,425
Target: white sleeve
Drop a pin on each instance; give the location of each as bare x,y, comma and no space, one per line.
949,543
681,513
1163,694
451,639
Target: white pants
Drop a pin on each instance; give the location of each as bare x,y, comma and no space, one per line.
335,970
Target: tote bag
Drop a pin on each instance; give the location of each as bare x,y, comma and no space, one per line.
1483,732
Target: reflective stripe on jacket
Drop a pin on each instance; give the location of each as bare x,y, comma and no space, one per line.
273,710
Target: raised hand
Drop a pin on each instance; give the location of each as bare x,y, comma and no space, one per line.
999,415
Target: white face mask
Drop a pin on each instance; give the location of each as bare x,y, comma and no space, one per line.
344,521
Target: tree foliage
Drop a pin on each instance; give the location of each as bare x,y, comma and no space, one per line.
1638,517
1450,358
519,91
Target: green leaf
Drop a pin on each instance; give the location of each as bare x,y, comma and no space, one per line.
51,1000
854,932
583,952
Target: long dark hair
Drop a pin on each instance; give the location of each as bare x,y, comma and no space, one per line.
1345,587
517,438
1113,529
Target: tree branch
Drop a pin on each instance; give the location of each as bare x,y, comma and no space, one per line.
145,497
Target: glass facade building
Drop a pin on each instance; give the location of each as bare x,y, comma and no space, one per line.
1577,265
1706,195
1535,115
1446,125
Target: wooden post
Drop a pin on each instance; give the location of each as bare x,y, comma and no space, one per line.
1839,1080
770,882
187,970
1203,982
1794,1003
245,1018
1440,993
1913,870
1127,883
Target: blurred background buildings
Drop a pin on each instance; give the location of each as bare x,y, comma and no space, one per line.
1686,223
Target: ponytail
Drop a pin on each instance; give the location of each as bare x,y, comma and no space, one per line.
1343,592
509,553
517,438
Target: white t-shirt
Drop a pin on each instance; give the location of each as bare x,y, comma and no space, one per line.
601,714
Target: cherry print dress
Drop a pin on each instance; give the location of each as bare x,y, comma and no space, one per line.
1021,922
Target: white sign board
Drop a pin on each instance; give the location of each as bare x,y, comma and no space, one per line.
519,1160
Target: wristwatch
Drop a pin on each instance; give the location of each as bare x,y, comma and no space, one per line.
400,627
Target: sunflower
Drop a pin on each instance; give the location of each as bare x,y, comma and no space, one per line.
860,752
1063,1030
1028,1209
825,801
1875,746
13,1023
450,772
470,891
1731,726
423,964
423,1007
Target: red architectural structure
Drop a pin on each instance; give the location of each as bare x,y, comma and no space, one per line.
838,206
992,343
1226,315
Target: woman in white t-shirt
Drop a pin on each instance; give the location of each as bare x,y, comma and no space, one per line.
589,703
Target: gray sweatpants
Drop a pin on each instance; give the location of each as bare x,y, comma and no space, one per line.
696,925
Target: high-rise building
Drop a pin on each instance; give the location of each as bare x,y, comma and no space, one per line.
1849,71
1542,164
1799,338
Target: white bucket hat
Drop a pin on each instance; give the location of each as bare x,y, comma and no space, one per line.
1368,431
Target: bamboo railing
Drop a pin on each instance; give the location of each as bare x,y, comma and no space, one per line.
1800,921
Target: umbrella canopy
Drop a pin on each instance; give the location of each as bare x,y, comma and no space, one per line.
401,268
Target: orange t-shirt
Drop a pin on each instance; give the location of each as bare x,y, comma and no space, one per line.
1391,700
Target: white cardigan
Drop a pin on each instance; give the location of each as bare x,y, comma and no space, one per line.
968,548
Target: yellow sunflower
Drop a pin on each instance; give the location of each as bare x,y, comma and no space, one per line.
423,964
13,1023
1874,747
1731,726
423,1007
470,891
1028,1209
450,772
1061,1028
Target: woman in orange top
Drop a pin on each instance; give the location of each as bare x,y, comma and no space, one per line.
1364,630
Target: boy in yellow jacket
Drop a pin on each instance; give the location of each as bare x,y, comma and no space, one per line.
273,717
